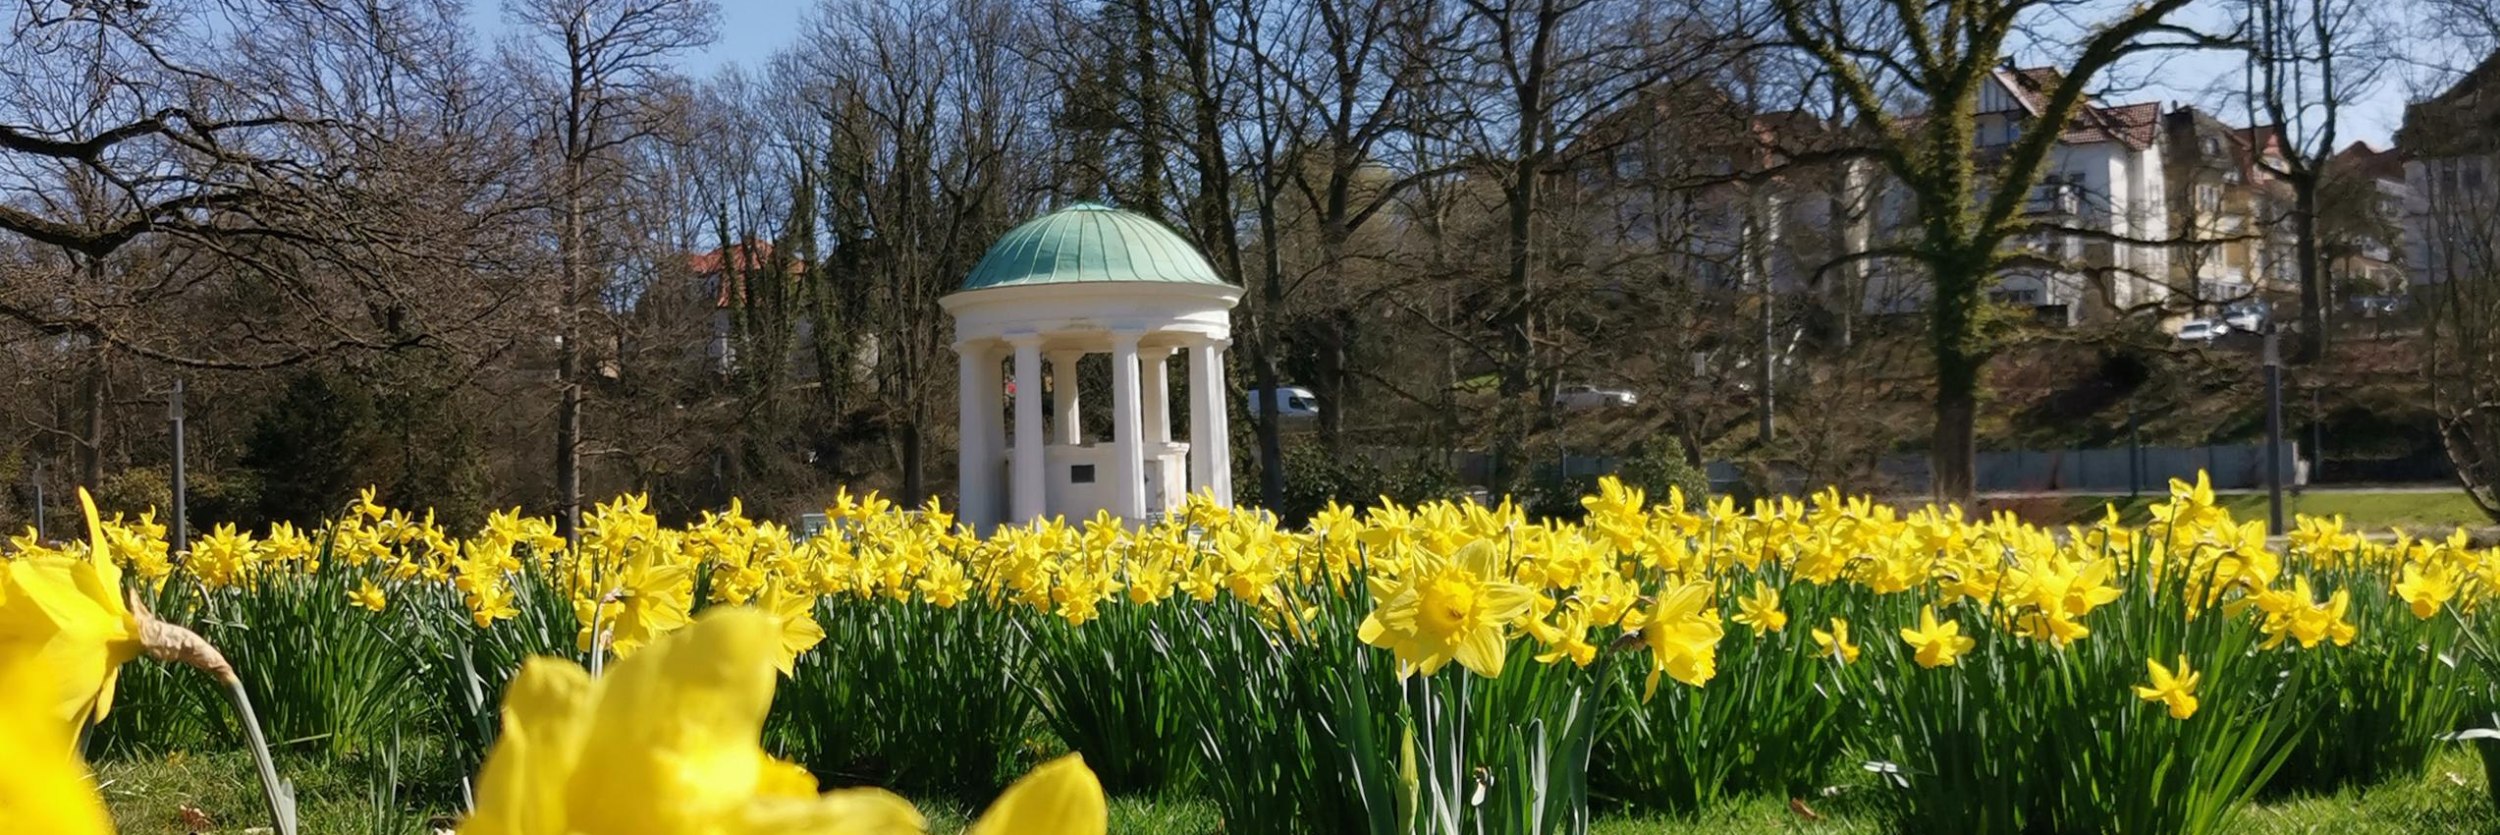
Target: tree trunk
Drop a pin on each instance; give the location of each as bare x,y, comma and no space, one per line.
569,372
1956,446
92,400
2313,301
1959,360
1271,436
1518,337
1330,382
915,480
1263,328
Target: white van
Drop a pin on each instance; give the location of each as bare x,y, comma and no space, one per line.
1292,402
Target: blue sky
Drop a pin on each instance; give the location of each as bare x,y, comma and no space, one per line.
751,30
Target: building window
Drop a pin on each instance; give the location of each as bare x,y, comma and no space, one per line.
2213,146
2209,199
2058,194
1081,474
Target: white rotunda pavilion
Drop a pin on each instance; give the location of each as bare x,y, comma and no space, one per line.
1089,279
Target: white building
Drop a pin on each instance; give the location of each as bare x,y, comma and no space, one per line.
2452,172
1080,281
2104,175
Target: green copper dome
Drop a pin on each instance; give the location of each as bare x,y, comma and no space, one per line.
1090,242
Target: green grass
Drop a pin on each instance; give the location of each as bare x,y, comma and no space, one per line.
2449,798
2365,510
362,796
348,796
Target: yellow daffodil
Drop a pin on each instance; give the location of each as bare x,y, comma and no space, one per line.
1566,637
1938,644
795,611
2174,688
367,507
1062,797
68,612
1682,634
44,788
649,598
667,744
368,597
2426,590
1761,610
1835,642
1449,608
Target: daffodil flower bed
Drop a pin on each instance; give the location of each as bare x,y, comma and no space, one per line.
1444,668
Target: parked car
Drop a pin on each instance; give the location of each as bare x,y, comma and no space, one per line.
2372,306
1591,397
810,524
2202,330
1292,402
2245,318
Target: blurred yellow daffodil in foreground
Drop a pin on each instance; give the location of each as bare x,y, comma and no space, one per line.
44,788
667,744
66,613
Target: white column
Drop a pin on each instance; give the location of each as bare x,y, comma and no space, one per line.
994,437
1155,363
1066,427
975,389
1222,439
1026,502
1128,494
1206,417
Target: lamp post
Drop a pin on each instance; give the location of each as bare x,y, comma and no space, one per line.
181,526
2274,429
2135,452
38,480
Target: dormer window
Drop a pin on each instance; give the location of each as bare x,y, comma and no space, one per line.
2213,146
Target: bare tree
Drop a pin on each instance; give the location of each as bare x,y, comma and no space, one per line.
285,169
1533,76
927,108
604,64
2462,337
1343,81
1913,73
2308,61
2454,161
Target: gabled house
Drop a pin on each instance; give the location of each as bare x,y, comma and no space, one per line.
2362,221
2103,183
2219,196
2452,172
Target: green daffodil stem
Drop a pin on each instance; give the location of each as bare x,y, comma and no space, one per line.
177,644
280,794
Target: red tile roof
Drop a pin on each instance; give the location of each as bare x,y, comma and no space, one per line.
2378,164
2030,86
748,257
2136,125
